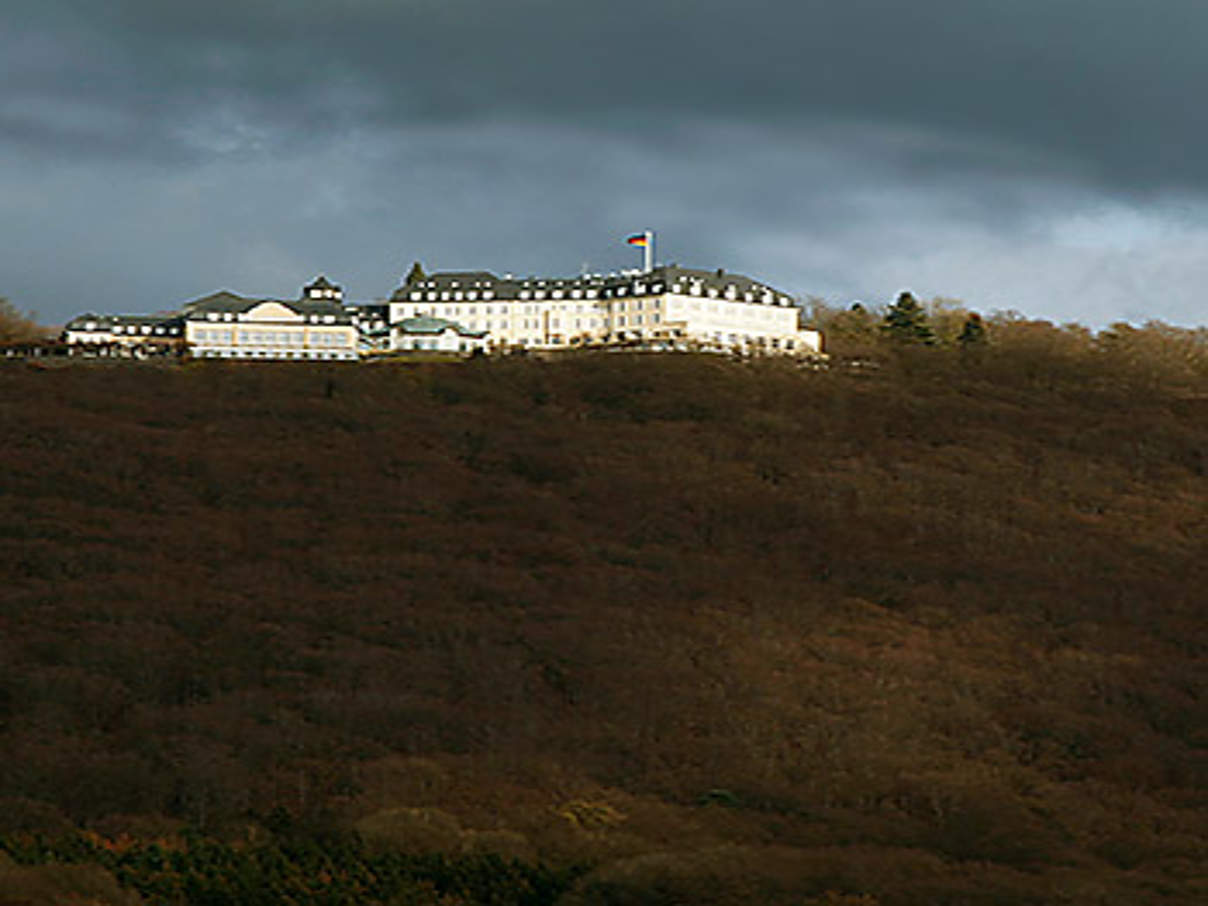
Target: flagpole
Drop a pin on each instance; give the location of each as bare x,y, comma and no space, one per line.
649,250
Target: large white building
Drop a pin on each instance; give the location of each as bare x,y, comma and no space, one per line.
671,307
315,327
464,312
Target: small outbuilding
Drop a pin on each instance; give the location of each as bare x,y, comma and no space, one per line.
429,334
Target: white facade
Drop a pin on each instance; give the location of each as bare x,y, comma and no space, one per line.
124,330
669,306
428,334
270,330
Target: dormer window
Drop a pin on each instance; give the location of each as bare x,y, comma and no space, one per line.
212,316
415,297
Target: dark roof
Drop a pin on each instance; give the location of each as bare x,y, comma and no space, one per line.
221,301
321,282
510,287
427,324
224,302
105,322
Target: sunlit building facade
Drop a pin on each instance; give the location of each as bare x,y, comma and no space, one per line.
667,307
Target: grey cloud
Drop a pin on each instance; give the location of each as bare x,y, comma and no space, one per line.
846,148
1105,83
837,216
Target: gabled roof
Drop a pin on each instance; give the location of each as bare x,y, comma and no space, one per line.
221,301
321,282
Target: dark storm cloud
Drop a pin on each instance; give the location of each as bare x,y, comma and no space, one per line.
1037,154
1108,85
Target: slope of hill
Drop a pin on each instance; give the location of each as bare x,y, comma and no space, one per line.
715,632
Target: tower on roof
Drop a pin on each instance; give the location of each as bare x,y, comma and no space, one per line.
322,289
415,275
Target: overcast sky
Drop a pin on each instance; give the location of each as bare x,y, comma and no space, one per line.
1047,156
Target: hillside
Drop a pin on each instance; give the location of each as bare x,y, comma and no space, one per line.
928,630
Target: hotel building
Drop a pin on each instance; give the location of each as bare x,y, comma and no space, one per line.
666,307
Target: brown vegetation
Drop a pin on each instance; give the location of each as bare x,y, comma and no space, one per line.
16,327
928,630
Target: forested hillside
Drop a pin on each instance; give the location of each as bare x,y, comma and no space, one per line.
923,628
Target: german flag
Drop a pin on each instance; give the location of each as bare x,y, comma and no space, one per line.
639,239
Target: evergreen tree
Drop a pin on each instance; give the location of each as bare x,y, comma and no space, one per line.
416,274
973,333
906,321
